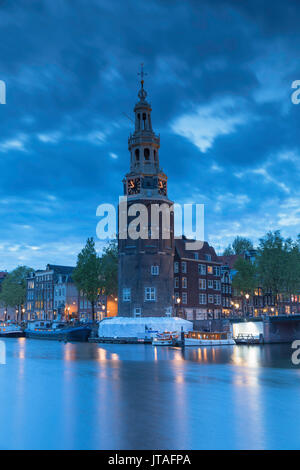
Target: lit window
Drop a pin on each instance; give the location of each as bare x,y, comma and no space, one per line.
209,270
150,294
126,294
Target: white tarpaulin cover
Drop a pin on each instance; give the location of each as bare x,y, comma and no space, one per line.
144,327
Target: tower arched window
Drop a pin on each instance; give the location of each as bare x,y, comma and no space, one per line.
155,155
147,154
137,155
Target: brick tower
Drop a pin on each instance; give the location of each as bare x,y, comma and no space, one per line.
146,282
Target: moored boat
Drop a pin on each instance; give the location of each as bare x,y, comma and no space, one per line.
57,331
164,339
10,330
201,338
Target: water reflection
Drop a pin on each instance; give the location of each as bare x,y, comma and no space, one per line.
89,396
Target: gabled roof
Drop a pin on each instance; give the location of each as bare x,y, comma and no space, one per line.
190,254
60,269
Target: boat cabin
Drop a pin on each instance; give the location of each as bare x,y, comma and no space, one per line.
206,336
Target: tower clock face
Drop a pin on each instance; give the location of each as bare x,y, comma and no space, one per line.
133,186
162,187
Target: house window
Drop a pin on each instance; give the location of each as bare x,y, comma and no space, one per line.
196,255
150,294
202,299
184,283
202,269
209,270
184,298
176,297
216,271
210,283
183,266
217,299
126,294
155,270
176,282
137,312
202,284
208,257
210,299
217,285
176,267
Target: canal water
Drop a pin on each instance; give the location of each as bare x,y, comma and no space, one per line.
89,396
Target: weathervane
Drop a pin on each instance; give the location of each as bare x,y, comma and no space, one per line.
142,74
142,93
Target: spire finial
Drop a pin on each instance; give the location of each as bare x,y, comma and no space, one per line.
142,74
142,93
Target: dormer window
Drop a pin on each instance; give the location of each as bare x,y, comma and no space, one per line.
147,154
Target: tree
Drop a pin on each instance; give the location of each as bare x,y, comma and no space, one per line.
245,279
278,263
13,292
238,247
87,274
241,244
109,269
228,251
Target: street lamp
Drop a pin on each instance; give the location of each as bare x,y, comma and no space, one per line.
178,300
247,296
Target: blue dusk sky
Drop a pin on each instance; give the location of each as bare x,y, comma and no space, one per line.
219,81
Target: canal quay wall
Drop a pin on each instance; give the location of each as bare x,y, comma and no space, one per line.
281,329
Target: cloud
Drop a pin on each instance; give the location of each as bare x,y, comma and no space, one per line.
208,122
14,144
113,155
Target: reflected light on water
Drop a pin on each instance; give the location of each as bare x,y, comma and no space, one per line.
104,355
69,352
247,356
22,348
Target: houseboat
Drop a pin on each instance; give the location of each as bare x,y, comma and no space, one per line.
10,330
201,338
57,331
